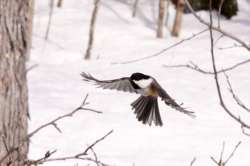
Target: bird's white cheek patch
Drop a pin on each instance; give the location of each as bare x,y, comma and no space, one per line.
144,83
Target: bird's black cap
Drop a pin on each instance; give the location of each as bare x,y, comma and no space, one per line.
139,76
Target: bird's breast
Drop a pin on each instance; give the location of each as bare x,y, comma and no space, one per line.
149,91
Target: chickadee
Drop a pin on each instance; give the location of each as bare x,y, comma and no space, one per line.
146,106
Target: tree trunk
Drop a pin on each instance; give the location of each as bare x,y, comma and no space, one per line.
59,3
92,29
135,8
162,12
15,31
178,17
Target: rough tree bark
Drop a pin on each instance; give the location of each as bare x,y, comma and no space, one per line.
178,17
162,12
15,31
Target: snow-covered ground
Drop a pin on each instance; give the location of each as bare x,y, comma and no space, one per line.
55,86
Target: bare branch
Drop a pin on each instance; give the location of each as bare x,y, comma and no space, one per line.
51,10
222,151
164,50
232,154
245,45
40,160
221,161
218,39
229,47
235,97
31,67
195,67
244,132
213,159
96,142
237,119
56,127
95,155
53,122
80,156
193,161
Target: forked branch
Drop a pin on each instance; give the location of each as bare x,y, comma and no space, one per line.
53,122
84,156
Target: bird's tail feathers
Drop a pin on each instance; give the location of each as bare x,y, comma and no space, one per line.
147,110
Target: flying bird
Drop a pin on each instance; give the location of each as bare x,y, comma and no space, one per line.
146,106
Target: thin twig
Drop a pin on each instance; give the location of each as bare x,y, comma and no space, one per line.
31,67
218,39
245,45
193,161
95,155
80,156
229,47
51,10
12,150
232,154
244,132
163,50
195,67
53,122
40,160
96,142
221,161
222,151
237,119
235,97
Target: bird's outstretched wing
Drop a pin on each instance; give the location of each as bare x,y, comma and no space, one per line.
121,84
171,102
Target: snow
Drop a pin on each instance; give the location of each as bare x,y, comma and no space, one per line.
56,87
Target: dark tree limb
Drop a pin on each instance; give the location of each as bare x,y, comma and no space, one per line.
223,105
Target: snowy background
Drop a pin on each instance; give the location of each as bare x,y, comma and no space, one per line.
55,86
